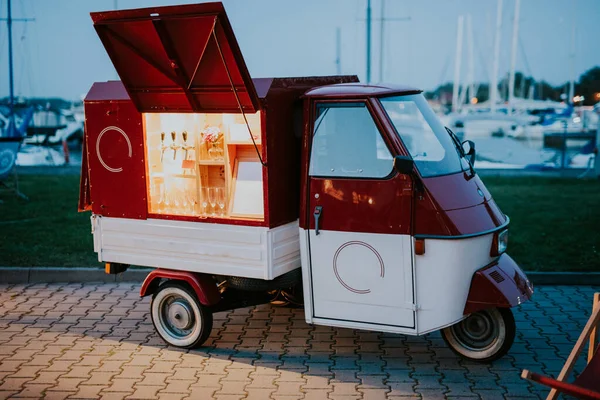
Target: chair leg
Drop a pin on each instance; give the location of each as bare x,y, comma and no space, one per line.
593,335
564,387
17,190
14,189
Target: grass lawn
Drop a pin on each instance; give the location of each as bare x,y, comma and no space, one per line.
555,223
46,231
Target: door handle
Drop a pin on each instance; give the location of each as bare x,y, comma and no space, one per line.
317,215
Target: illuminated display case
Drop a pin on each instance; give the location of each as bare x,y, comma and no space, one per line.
194,162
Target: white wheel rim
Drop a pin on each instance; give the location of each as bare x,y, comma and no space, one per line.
479,336
176,317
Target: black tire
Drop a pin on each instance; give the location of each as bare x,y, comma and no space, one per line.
484,336
175,303
284,281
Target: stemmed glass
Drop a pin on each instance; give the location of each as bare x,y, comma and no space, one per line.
220,192
212,199
204,203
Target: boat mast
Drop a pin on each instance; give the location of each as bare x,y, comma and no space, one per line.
368,41
338,51
494,80
513,57
572,67
381,40
456,84
10,73
471,70
11,82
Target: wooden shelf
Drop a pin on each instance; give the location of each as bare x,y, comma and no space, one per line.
161,175
211,162
243,143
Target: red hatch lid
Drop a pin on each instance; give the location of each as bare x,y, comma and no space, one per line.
178,58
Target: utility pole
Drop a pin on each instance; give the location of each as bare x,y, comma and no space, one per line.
456,84
368,41
9,21
513,57
494,80
338,51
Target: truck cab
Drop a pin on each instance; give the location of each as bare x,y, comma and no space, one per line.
395,221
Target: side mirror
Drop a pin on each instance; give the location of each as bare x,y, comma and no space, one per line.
469,150
404,165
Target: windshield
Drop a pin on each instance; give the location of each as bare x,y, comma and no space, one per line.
426,139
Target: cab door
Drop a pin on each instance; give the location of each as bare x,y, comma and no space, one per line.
360,249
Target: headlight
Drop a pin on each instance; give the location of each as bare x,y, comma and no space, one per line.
502,241
499,243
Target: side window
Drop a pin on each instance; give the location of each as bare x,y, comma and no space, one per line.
347,143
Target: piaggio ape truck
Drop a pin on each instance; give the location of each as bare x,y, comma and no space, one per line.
232,187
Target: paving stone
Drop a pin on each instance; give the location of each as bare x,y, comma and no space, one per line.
121,385
88,392
60,338
145,392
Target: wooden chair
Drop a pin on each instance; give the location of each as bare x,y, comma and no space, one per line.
587,384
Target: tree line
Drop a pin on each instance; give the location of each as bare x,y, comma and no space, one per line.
587,86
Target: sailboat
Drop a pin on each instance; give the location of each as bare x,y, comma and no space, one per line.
12,134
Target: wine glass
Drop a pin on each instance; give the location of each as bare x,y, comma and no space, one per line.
192,201
220,191
204,203
212,199
159,195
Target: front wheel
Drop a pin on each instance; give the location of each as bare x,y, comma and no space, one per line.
483,336
178,316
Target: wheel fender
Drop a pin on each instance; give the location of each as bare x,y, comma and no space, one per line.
501,284
203,285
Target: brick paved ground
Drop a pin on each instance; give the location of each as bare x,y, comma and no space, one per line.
97,341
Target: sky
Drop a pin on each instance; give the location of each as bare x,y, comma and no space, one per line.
60,55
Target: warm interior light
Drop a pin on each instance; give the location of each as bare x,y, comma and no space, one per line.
191,161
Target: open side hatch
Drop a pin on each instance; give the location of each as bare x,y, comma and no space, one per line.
178,58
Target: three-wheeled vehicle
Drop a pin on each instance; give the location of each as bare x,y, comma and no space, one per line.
233,187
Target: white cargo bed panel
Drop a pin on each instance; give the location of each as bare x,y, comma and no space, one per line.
245,251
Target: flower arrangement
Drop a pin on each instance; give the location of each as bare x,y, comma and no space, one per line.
211,134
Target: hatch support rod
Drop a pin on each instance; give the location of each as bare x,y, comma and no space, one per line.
201,56
237,98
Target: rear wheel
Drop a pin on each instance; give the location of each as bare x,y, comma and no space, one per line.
178,316
483,336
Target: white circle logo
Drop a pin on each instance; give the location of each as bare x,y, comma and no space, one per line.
122,132
351,244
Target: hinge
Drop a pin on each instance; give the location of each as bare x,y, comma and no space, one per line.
414,307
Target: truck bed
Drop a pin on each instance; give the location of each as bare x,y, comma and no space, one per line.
220,249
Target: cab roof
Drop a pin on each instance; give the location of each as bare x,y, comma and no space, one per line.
361,90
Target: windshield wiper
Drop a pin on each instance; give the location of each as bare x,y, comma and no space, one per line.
456,142
459,149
